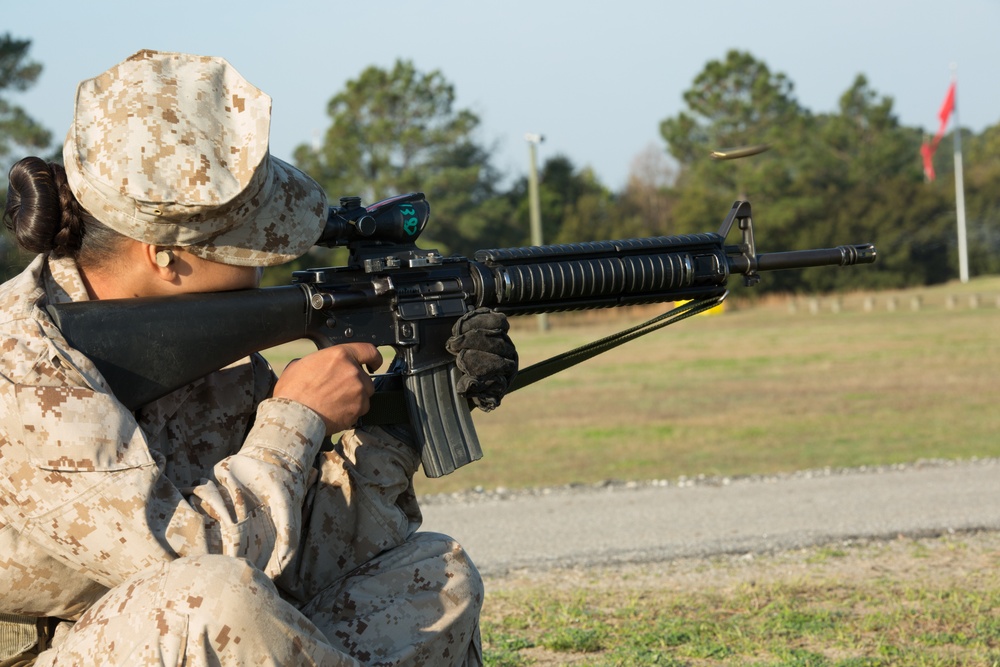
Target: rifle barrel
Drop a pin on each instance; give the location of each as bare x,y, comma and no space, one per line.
845,255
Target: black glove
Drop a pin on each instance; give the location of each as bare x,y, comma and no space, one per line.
485,355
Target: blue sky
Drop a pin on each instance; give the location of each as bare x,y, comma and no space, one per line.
594,77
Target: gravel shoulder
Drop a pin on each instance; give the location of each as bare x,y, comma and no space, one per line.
687,525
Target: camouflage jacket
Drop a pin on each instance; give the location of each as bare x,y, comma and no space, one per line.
91,493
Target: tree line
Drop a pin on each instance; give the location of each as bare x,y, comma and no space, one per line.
849,176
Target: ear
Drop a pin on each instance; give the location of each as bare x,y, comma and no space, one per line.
159,261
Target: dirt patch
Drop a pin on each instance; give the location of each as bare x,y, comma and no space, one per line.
931,561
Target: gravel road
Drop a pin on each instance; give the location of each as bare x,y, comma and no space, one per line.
643,522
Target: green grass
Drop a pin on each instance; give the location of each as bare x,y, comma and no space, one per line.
758,389
865,605
755,390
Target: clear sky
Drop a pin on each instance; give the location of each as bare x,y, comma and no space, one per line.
595,77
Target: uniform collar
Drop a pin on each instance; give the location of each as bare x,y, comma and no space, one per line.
63,282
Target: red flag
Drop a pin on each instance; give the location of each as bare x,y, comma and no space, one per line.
927,152
927,149
946,108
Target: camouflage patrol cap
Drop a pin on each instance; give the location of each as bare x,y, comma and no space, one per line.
172,149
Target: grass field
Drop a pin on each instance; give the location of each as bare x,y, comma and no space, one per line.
925,602
780,385
866,379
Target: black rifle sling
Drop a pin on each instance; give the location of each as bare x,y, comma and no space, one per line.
388,406
561,362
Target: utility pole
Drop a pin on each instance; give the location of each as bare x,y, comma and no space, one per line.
534,205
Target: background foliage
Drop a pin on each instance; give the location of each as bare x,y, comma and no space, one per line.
850,176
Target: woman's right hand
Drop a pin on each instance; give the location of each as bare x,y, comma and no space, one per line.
333,383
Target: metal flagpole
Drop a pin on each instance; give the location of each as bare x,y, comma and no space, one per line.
535,206
963,249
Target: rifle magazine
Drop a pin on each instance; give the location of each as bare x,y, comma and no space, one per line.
442,420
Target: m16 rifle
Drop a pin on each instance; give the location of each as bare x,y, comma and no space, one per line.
392,293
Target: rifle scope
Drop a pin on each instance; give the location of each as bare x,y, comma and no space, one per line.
398,220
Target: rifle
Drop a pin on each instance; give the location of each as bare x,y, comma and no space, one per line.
391,293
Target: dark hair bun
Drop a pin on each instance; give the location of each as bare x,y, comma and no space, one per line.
41,210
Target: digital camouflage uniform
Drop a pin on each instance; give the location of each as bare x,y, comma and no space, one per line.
208,527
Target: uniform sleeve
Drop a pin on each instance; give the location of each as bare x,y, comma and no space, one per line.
362,504
78,479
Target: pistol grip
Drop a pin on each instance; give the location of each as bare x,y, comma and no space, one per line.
441,420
